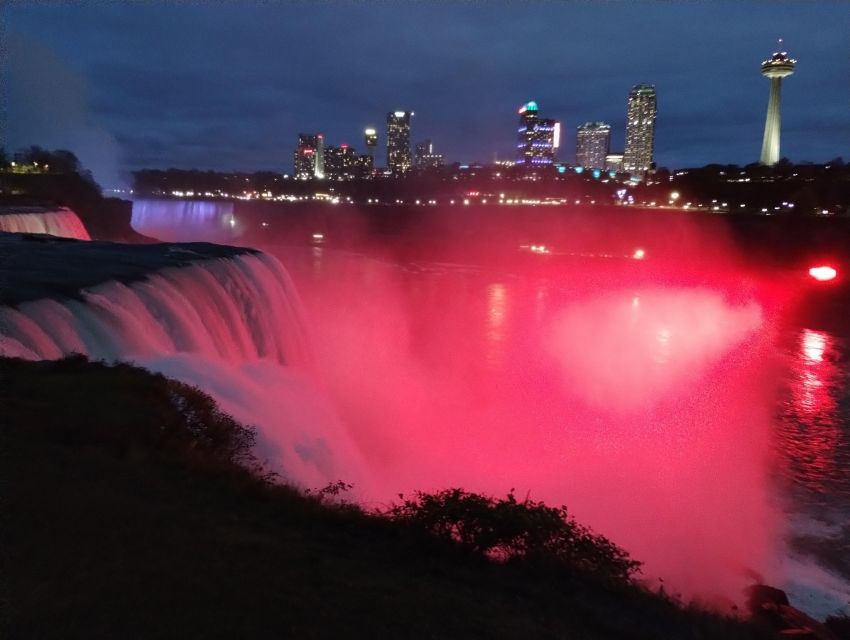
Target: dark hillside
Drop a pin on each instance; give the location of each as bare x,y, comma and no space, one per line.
127,515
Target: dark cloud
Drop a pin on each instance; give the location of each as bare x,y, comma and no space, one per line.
229,85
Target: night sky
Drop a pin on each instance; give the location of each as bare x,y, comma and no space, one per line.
228,86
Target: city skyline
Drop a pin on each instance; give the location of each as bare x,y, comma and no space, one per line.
185,103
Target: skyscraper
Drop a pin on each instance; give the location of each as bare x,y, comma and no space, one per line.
777,67
371,139
640,129
593,141
309,156
341,163
538,138
398,141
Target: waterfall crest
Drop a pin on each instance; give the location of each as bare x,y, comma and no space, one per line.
60,222
230,326
236,309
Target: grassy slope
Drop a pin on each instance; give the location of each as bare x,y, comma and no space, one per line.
112,537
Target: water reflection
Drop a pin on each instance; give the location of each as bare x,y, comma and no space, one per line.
814,344
813,437
496,312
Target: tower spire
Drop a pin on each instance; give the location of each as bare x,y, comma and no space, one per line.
779,66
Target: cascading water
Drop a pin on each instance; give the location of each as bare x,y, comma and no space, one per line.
231,326
61,222
176,220
646,407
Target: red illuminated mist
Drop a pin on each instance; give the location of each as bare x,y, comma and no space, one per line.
639,396
648,415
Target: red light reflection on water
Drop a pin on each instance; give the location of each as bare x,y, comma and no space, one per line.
814,345
811,430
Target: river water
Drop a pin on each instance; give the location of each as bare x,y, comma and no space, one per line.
634,400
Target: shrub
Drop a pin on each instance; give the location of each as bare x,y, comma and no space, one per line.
510,530
127,409
199,425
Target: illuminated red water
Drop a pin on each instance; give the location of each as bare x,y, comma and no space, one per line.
646,410
813,433
647,405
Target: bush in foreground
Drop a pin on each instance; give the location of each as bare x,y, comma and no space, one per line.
142,412
510,530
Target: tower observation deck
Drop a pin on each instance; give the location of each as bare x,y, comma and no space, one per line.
778,66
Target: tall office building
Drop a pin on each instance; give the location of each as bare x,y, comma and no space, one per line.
425,156
340,162
370,136
593,142
398,141
310,156
640,129
777,67
538,138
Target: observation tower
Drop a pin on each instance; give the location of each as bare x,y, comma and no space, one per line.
774,69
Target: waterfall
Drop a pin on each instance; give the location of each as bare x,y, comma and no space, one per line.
230,326
236,309
184,220
60,222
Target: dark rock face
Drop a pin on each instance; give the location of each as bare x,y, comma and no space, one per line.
761,595
104,218
771,608
109,219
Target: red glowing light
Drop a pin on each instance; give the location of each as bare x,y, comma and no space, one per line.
823,273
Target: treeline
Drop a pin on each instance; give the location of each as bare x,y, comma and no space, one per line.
810,188
35,159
